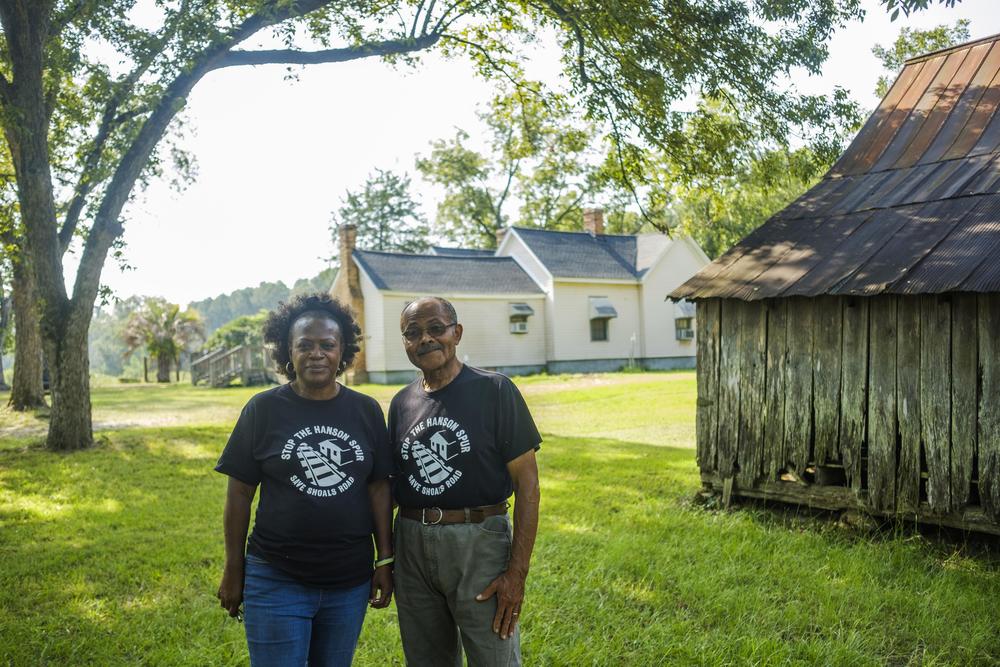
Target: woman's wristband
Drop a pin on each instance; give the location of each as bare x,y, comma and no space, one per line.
385,561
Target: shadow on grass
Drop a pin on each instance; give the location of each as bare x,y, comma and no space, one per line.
112,556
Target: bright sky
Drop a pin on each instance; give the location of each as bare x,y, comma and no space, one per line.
275,157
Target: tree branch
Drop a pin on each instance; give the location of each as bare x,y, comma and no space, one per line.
293,57
427,17
416,19
506,190
111,120
444,22
567,19
62,20
107,224
486,54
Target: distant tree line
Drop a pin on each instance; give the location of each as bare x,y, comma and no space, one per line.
108,348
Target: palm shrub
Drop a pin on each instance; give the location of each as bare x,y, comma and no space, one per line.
163,330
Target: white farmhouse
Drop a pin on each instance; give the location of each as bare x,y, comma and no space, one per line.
543,301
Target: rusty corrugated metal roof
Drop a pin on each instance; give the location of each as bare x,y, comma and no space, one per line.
911,207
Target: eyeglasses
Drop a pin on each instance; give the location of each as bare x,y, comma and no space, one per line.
414,334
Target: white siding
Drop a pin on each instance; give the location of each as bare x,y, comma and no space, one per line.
513,246
571,321
374,329
395,356
486,341
680,262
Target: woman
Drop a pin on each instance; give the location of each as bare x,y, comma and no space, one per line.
319,453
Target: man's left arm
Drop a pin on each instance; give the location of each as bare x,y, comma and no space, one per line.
509,586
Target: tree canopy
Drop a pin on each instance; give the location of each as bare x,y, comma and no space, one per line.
384,213
243,330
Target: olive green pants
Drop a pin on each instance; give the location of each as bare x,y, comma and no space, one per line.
439,572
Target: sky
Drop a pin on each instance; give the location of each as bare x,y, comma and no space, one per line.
274,157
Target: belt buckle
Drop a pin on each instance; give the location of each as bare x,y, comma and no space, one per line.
423,516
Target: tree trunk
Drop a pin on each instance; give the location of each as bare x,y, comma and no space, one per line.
5,307
28,392
69,422
163,368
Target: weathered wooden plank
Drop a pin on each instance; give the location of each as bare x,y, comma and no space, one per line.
908,403
798,384
729,387
774,391
839,498
826,379
854,387
935,397
753,326
707,413
882,404
988,452
964,379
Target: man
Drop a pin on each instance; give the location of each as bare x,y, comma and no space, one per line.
463,441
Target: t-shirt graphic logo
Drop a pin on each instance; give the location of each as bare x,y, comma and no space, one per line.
322,468
431,458
433,446
323,463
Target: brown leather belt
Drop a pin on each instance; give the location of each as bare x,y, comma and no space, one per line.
432,516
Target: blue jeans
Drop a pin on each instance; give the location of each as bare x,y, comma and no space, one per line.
289,623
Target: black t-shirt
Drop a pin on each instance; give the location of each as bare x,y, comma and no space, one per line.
313,461
451,447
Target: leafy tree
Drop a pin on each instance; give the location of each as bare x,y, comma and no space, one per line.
105,345
244,330
911,43
163,330
628,61
721,184
907,6
719,216
385,215
537,152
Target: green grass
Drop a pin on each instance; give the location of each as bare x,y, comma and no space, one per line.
112,556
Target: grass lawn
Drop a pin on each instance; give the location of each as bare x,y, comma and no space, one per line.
112,556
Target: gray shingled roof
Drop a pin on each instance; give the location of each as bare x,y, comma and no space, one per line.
580,255
460,252
434,274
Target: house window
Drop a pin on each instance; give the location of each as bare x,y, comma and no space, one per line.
519,313
684,314
601,311
599,329
684,328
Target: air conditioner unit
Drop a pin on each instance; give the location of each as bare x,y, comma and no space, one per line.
519,327
685,334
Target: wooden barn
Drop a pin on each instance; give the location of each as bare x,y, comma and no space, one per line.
849,348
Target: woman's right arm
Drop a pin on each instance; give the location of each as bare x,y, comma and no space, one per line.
236,524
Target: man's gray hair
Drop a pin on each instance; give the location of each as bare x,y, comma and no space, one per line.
445,304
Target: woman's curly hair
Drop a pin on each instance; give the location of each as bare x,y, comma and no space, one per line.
279,323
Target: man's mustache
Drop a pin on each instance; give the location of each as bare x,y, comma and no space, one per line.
429,348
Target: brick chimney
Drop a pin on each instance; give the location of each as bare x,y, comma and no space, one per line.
593,220
500,233
347,289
